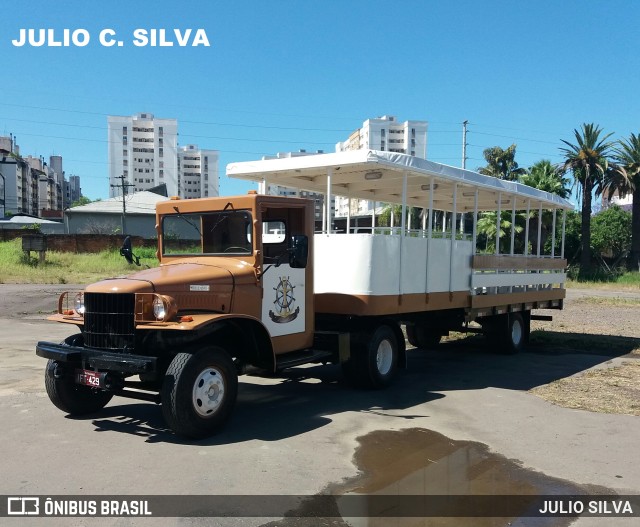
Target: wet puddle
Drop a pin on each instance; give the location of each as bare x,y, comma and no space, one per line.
408,476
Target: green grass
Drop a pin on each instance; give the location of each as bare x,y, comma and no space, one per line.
629,281
608,301
66,268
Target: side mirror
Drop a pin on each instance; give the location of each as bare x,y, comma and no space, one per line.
127,252
299,251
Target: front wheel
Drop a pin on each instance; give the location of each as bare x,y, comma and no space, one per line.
199,392
72,398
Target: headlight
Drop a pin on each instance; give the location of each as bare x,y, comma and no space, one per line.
79,304
159,308
153,307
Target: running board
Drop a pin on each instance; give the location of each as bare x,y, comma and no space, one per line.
304,357
141,396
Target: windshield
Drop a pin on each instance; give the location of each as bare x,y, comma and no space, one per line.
218,233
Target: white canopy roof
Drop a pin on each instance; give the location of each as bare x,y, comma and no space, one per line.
378,176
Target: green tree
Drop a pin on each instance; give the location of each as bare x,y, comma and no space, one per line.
611,232
487,226
501,163
588,161
82,200
545,176
385,216
627,155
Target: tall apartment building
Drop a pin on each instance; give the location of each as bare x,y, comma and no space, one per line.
72,190
197,172
20,186
144,150
386,134
31,186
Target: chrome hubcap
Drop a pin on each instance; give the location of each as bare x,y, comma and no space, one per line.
208,392
384,357
516,332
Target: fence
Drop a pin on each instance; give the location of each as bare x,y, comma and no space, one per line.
79,243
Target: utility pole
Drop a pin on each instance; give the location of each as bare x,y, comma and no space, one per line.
124,186
464,144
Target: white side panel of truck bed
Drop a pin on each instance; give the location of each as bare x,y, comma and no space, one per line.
362,264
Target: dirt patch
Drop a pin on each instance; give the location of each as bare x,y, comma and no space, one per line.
606,326
613,390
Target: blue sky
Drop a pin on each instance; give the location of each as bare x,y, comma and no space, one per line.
283,75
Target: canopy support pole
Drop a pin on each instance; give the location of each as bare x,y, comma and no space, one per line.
429,235
328,200
453,235
553,235
475,222
403,221
564,222
513,226
498,215
539,228
526,229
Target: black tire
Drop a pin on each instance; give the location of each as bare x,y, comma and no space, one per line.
374,359
184,406
506,334
516,335
72,398
421,337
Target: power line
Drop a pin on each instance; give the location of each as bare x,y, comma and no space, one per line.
124,186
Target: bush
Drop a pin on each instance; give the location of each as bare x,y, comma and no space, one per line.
611,232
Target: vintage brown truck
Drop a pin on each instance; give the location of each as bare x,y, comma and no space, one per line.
244,281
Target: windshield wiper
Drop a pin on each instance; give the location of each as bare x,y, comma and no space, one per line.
182,216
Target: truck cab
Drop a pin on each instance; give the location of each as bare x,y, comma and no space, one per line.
234,289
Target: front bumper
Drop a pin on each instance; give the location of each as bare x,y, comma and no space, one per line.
97,359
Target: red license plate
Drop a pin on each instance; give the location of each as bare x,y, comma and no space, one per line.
88,378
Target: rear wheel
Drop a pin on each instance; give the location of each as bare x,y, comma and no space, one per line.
374,359
515,337
506,333
72,398
421,337
199,392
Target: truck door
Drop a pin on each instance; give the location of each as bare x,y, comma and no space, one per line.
284,293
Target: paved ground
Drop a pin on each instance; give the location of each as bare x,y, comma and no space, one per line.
295,434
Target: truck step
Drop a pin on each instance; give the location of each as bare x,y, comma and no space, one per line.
303,357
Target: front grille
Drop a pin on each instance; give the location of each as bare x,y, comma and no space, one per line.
108,320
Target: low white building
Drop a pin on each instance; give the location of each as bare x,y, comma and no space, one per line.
106,216
25,221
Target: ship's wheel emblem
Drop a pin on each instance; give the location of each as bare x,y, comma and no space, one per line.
284,309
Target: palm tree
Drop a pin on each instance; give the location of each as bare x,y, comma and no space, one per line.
588,160
488,224
627,155
501,163
545,176
396,211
